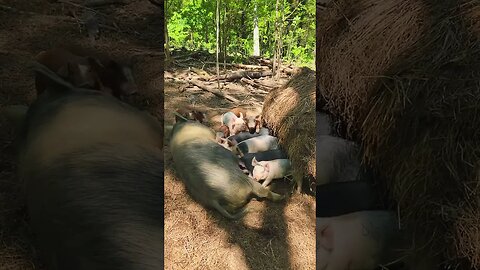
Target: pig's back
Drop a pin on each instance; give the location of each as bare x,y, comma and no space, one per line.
72,123
99,208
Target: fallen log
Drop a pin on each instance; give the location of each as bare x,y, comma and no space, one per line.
254,90
239,65
256,85
243,74
213,91
265,62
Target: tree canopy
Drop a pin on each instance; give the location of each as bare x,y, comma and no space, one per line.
191,25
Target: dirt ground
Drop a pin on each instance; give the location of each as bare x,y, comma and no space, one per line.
270,236
133,31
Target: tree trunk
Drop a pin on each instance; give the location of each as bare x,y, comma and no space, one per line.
218,36
224,36
256,36
277,36
279,43
167,42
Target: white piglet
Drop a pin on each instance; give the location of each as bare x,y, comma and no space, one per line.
255,145
235,124
269,170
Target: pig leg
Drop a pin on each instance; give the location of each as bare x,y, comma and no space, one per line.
224,212
267,181
262,192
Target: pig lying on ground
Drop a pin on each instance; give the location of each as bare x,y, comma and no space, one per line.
357,241
256,144
324,124
353,229
246,160
211,173
93,173
271,169
337,159
233,140
242,136
366,240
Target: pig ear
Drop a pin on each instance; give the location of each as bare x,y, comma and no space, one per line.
267,166
254,161
241,115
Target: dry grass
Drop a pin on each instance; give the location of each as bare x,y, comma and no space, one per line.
468,234
404,76
290,112
271,236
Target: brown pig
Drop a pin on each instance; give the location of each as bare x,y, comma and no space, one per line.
239,112
192,113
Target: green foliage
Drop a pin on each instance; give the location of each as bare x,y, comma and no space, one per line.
192,25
